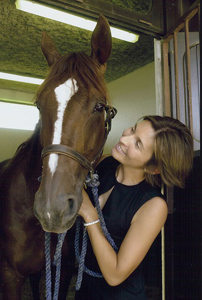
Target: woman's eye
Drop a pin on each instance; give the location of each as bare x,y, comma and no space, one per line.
132,129
100,107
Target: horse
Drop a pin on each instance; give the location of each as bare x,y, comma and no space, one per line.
65,146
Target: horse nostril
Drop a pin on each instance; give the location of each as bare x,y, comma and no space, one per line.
71,204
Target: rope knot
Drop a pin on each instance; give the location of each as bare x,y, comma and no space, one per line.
92,180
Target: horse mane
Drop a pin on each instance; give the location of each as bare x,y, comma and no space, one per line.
80,66
27,149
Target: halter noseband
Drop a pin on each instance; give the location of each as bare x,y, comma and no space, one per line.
68,151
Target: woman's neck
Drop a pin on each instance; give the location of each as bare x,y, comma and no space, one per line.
129,176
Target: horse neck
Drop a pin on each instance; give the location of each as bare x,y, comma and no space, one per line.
33,161
28,157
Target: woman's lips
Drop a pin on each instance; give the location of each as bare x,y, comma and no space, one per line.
119,149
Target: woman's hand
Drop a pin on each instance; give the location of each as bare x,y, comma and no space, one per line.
145,226
87,210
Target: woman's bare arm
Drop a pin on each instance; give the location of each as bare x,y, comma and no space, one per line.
145,226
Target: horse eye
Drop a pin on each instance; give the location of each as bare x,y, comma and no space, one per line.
99,107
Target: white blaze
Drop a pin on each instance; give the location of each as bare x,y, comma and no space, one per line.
63,94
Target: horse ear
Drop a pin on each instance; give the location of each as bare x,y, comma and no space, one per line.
101,41
49,49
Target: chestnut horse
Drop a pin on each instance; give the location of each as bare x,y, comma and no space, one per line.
70,134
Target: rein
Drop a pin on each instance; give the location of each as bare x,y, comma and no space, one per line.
69,152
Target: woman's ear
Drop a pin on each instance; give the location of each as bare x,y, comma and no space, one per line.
153,170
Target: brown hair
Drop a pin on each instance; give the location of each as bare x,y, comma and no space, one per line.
80,66
173,151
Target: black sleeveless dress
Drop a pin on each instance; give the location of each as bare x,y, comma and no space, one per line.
123,202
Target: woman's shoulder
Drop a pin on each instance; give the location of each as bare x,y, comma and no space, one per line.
156,208
106,170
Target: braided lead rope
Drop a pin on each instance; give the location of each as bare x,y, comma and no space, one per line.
81,259
93,182
102,221
48,266
56,263
81,256
84,244
61,237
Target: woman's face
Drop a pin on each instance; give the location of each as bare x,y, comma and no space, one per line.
136,146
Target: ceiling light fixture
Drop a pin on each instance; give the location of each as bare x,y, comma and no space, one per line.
60,16
13,77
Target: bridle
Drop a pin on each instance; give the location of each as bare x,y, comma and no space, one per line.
70,152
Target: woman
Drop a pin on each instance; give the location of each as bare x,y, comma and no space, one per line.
156,150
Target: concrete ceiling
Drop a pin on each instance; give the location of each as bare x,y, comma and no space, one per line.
20,38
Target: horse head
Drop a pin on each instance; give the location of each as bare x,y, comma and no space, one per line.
72,102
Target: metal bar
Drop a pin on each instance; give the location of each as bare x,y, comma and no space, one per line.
166,81
163,278
177,94
188,69
163,263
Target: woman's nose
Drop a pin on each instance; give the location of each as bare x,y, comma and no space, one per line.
124,139
128,133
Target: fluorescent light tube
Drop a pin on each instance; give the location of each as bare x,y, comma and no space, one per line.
13,77
57,15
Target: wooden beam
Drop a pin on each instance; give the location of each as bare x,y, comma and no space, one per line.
151,23
166,81
176,68
178,25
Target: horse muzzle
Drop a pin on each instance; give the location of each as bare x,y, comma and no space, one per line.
61,215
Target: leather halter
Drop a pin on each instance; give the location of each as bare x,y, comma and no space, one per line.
70,152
